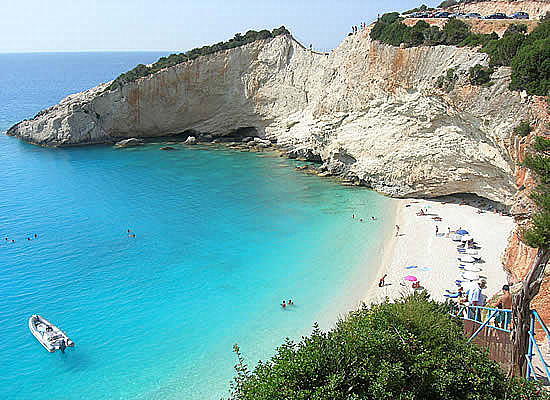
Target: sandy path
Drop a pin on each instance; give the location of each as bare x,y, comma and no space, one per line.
436,257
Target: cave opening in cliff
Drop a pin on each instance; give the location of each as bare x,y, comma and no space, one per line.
247,131
189,132
474,200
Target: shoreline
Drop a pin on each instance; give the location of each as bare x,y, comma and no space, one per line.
435,257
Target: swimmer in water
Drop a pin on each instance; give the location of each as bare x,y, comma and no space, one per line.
35,235
290,302
373,218
360,219
283,304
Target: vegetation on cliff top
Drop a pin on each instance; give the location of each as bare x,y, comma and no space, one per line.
173,59
538,161
527,54
410,349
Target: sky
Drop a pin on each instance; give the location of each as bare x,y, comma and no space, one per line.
177,25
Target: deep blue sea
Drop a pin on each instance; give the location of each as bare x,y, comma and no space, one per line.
222,237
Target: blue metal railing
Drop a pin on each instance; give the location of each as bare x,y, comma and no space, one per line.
475,313
532,343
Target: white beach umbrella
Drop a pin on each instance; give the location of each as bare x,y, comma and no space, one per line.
467,258
472,268
471,276
465,238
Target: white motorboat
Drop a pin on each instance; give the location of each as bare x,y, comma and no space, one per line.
49,335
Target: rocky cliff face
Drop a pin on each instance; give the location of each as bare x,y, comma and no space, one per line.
370,112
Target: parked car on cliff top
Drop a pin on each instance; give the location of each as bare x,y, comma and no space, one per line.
418,14
519,15
442,14
473,15
496,16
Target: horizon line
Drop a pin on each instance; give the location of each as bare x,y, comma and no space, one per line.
84,51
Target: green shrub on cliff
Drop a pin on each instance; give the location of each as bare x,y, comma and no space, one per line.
503,51
531,68
447,81
523,129
423,7
528,55
174,59
390,30
382,23
410,349
455,31
447,3
478,39
480,75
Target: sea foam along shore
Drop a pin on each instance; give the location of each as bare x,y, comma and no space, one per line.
435,257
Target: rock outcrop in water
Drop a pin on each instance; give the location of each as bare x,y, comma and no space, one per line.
369,112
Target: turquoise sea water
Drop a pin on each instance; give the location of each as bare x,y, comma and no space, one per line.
221,238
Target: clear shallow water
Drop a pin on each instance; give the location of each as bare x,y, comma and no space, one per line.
221,238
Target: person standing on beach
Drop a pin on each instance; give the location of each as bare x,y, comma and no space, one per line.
397,230
382,283
436,230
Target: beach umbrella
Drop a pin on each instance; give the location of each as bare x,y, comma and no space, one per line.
471,276
410,278
472,268
471,252
468,259
462,232
465,238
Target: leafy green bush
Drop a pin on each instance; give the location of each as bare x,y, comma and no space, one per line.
447,81
502,51
410,349
423,7
531,68
382,23
478,39
531,63
394,34
523,129
480,75
390,30
174,59
455,31
447,3
515,28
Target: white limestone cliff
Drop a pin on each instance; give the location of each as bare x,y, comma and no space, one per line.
368,111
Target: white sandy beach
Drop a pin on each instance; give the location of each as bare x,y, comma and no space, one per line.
436,257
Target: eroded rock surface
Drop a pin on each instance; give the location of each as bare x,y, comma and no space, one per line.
369,112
